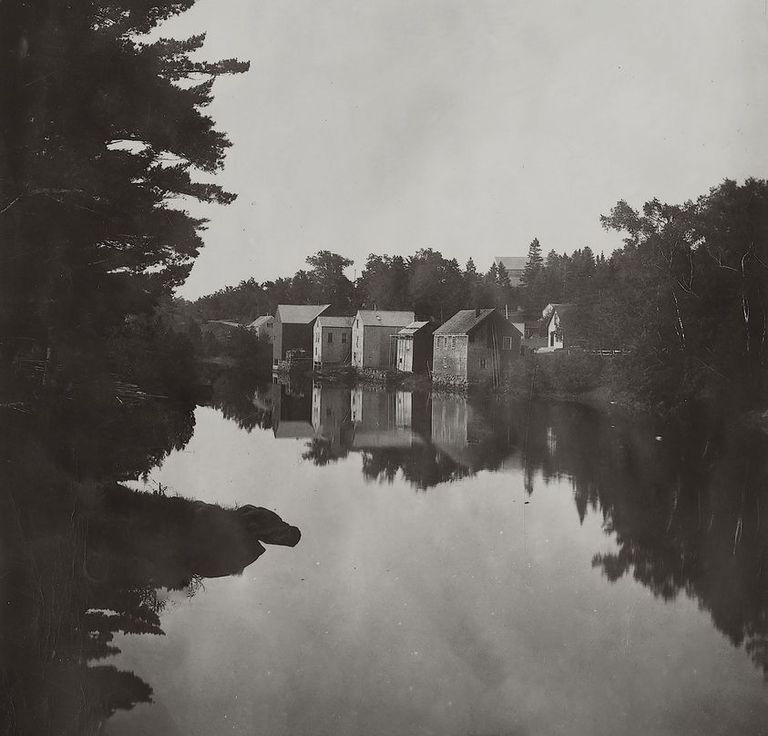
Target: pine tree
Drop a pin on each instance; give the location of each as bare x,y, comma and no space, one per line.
502,276
534,264
101,134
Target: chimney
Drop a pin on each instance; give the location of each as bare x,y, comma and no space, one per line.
477,312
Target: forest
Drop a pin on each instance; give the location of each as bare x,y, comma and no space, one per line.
685,298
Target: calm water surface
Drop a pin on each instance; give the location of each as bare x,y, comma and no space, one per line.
464,568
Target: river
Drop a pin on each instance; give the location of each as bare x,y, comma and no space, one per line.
466,567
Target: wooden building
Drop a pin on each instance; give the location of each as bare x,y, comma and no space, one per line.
533,331
263,327
293,329
332,341
559,319
475,345
514,265
414,348
373,337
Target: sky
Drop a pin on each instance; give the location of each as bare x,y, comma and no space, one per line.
468,126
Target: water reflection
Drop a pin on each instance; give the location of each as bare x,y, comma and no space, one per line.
85,558
684,507
429,438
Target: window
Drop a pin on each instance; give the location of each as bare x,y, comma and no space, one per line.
507,344
483,363
357,341
441,342
453,342
330,338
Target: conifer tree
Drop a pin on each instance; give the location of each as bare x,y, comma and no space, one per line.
533,265
101,134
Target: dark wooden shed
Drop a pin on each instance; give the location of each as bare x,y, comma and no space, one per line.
293,327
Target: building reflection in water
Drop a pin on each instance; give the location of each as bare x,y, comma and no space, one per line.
384,419
687,512
431,438
292,411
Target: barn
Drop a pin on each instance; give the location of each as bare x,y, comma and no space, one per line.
332,343
473,346
293,329
373,337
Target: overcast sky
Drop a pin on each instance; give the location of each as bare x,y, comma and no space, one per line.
469,126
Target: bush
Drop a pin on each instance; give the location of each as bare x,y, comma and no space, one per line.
572,372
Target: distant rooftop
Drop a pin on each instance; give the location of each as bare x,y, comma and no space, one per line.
325,321
412,328
265,319
299,314
565,312
384,318
561,307
464,321
512,263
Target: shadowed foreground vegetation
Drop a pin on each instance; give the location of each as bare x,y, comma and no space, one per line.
87,558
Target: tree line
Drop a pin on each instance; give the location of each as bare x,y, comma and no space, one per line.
427,283
686,296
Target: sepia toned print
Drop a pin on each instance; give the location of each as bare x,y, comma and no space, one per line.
383,368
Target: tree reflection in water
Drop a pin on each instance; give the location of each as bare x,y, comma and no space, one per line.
685,503
84,557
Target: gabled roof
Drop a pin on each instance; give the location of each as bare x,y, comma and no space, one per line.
564,310
547,311
325,321
565,313
464,321
412,329
512,263
385,319
299,314
265,319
